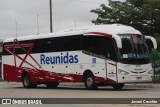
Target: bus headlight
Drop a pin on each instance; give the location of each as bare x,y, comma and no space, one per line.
123,72
150,71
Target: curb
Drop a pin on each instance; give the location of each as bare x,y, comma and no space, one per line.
81,85
134,85
143,85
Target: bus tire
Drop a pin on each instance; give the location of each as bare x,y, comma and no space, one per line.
89,82
118,86
26,81
52,84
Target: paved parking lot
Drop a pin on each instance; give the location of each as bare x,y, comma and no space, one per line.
15,90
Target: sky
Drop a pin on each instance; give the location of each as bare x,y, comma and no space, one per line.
24,14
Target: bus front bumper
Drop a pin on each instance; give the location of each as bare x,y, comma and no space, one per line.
135,79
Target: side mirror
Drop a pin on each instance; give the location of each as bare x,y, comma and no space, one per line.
151,42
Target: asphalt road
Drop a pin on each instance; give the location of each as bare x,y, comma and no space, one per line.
16,90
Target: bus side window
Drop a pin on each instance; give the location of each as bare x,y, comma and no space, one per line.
72,43
92,44
57,44
110,51
5,52
47,45
51,44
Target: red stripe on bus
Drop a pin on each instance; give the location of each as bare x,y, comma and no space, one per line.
112,64
37,75
100,33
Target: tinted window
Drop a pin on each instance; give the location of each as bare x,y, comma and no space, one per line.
101,46
72,43
56,44
92,44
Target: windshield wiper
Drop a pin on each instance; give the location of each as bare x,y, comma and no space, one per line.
145,60
137,61
129,59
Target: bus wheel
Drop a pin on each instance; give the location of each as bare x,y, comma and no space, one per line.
26,81
52,84
118,86
90,82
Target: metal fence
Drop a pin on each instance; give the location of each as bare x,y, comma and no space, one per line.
155,56
0,70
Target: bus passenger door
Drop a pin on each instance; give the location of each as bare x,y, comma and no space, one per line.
111,70
111,65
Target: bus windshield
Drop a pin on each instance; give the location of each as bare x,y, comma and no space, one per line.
134,49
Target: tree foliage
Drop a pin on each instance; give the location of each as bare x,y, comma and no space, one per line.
144,15
1,44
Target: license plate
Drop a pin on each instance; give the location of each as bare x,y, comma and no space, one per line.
139,78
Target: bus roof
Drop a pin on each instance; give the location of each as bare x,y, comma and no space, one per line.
112,29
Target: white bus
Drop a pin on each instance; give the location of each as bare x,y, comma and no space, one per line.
111,54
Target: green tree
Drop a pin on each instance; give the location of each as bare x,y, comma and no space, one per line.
144,15
157,37
1,43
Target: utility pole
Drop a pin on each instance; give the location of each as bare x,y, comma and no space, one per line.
75,23
16,28
37,25
51,28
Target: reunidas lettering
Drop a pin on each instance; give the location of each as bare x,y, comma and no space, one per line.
62,59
